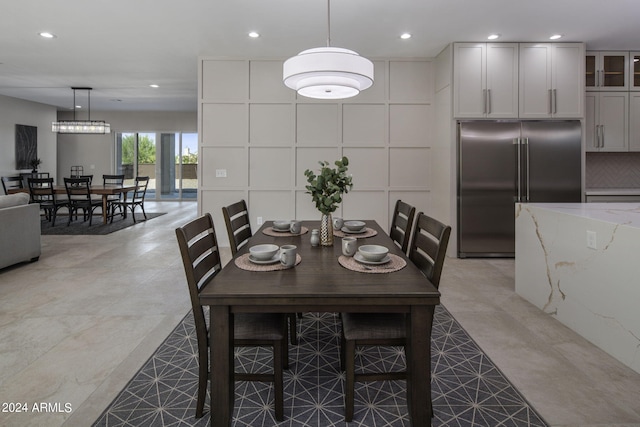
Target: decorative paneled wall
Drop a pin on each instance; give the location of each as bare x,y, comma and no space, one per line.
263,137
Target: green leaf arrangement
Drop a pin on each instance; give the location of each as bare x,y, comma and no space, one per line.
329,185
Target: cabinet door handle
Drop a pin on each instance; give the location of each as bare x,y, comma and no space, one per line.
484,101
596,140
602,136
555,101
550,102
488,101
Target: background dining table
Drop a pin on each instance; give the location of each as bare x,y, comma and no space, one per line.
320,284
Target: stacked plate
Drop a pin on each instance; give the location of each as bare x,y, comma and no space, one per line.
372,255
264,254
354,227
281,226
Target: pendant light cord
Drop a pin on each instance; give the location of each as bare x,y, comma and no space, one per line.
328,23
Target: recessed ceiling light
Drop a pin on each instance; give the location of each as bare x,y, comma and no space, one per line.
154,86
493,36
555,37
254,35
47,35
405,36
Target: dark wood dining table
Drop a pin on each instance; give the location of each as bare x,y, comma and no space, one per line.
320,284
98,189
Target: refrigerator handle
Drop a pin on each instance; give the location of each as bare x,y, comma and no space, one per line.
601,136
516,141
550,101
488,101
555,101
526,143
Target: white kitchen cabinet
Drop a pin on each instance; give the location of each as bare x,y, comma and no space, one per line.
485,80
634,121
551,80
607,71
606,121
634,71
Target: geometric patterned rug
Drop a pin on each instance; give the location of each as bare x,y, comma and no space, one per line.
467,388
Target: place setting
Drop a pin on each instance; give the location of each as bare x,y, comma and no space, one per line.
269,257
285,229
356,229
368,258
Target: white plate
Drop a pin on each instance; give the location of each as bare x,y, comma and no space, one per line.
278,230
358,257
276,258
346,230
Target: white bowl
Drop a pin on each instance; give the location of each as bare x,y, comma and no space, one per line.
373,252
354,225
263,252
281,225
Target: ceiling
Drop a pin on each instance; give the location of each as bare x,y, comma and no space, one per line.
120,47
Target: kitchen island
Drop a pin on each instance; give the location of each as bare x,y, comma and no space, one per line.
580,263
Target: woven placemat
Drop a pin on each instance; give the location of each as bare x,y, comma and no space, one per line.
269,231
243,262
396,263
369,232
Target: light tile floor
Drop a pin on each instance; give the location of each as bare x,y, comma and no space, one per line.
76,325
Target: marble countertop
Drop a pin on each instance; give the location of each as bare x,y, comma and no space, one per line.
617,213
612,191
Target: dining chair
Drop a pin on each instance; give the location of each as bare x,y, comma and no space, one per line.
201,260
79,197
428,248
401,224
12,183
41,191
113,181
137,198
236,218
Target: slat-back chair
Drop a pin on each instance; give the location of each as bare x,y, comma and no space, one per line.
41,191
79,197
12,183
401,224
137,199
428,250
201,260
113,181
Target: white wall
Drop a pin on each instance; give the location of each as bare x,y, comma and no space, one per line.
19,112
265,137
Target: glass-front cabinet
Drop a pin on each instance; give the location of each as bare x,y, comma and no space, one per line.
634,71
607,71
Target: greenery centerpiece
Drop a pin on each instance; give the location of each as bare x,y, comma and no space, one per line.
326,189
34,165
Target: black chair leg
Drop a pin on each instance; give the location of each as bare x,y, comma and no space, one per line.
293,328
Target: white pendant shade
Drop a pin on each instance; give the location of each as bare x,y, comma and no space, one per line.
328,73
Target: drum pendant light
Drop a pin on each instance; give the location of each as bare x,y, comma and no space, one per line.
328,72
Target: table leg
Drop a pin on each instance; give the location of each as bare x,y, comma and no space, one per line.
221,372
419,364
104,208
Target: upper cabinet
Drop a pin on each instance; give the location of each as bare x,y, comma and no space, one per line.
634,71
485,80
607,71
552,80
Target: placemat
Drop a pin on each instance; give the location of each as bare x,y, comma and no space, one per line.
243,262
270,232
396,263
369,232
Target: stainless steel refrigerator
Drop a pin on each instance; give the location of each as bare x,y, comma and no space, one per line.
504,162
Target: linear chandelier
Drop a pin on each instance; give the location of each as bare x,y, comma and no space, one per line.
81,126
328,72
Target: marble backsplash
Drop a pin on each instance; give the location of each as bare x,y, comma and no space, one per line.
612,170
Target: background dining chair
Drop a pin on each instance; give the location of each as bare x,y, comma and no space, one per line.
113,181
41,191
201,260
401,224
12,183
428,249
236,218
79,197
137,198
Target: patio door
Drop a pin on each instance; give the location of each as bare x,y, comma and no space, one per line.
170,161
